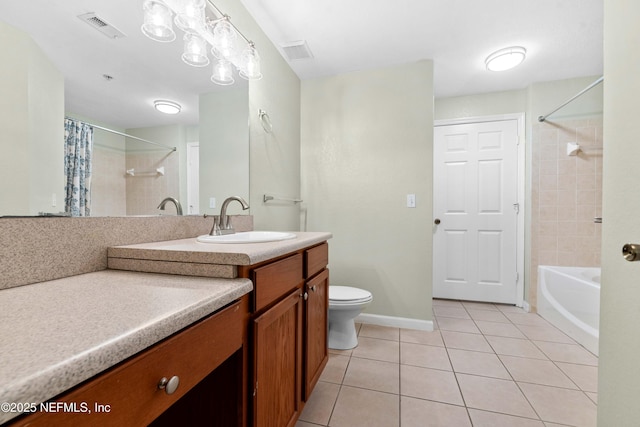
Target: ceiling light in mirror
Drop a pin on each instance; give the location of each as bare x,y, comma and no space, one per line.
157,21
505,59
167,107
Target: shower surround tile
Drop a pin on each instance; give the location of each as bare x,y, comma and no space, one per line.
566,194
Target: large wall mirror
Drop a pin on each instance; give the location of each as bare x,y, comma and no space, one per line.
58,64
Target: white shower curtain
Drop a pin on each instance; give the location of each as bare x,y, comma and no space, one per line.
77,167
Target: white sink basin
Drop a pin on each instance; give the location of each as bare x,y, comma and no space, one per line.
247,237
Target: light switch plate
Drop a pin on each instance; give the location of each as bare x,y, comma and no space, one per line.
411,200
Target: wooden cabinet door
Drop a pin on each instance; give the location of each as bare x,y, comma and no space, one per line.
316,344
277,341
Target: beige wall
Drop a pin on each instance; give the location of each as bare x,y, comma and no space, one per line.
619,371
486,104
31,117
224,148
366,143
274,158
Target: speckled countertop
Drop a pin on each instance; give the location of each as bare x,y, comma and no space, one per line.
56,334
192,251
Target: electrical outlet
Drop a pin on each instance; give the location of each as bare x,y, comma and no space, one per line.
212,202
411,200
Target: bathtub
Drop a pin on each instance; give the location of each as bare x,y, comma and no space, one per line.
569,298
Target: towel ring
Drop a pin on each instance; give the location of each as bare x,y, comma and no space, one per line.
265,121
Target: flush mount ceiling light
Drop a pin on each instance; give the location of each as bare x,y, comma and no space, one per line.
506,58
203,23
167,107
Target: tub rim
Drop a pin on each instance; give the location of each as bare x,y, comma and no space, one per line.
559,307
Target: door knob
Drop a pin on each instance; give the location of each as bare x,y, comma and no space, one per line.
631,252
169,385
436,221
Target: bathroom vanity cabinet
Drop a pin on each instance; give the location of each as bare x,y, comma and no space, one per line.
285,328
288,328
227,335
202,362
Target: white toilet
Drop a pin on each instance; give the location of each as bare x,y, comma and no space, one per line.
345,303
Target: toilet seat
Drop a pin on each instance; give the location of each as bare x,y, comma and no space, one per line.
346,295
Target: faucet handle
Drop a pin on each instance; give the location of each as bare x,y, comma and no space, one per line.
215,229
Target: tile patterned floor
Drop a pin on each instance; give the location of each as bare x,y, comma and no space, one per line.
484,365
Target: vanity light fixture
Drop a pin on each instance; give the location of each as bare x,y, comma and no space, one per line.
167,107
203,24
222,73
157,22
505,59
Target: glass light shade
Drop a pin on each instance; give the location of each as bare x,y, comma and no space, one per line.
223,40
157,21
250,64
195,51
190,16
222,73
505,59
167,107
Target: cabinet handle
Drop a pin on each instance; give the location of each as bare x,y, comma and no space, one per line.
313,288
169,385
304,296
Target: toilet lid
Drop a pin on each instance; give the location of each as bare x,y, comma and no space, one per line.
348,293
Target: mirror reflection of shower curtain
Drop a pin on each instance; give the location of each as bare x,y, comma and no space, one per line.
77,167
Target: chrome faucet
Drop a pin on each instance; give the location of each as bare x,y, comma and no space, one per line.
223,224
172,200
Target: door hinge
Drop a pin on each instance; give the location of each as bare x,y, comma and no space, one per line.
516,207
517,277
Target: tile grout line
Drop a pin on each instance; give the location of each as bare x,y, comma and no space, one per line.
454,373
509,321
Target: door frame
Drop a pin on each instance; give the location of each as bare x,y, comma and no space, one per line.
521,188
191,192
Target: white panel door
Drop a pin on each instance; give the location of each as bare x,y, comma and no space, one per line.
475,211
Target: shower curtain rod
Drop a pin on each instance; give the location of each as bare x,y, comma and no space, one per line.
125,135
586,89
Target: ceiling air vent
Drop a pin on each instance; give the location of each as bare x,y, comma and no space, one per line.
101,25
297,50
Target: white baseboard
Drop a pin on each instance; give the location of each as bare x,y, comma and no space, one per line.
396,322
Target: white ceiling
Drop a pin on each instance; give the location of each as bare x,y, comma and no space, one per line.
563,39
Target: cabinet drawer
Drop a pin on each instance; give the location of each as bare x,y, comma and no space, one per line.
131,389
274,280
316,259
